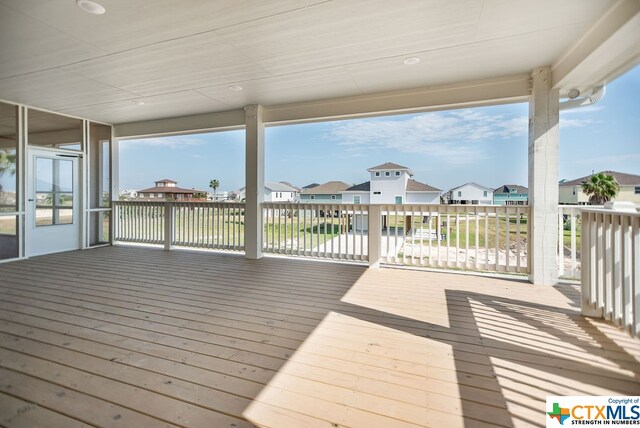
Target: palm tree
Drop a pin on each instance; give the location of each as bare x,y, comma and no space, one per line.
600,188
214,184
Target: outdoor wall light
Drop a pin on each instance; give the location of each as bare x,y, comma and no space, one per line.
91,7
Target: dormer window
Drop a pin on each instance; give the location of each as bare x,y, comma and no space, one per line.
377,173
397,173
387,174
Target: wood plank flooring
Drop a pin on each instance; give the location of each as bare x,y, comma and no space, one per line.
138,337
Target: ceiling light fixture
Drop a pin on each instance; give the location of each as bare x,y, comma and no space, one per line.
235,88
91,7
137,102
573,93
411,60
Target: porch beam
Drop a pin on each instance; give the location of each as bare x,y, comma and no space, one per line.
500,90
193,124
543,178
254,181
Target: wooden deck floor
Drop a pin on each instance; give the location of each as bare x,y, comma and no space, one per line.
136,337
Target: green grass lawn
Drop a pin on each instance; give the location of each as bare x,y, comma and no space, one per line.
485,232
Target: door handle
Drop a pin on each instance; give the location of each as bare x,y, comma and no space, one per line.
30,200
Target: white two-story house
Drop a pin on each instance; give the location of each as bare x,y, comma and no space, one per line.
470,194
391,183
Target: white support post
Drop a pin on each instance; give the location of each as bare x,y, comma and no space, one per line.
169,225
543,177
254,182
375,236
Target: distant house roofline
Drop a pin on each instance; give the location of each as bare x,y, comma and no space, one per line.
473,184
622,178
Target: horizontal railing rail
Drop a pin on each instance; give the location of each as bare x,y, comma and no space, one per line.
611,266
212,225
470,237
329,231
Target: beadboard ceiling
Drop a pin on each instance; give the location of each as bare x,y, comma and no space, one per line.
182,57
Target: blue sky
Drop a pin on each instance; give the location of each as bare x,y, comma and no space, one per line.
487,145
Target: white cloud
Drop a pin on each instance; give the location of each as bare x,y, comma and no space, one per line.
452,137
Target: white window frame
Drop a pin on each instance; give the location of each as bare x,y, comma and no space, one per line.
356,200
387,174
395,199
312,196
397,173
377,173
333,197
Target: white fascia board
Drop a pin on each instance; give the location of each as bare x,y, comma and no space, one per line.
500,90
608,49
208,122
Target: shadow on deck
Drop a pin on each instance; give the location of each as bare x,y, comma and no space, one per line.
124,336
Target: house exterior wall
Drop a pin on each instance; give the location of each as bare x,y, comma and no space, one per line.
510,198
277,196
347,197
566,195
422,198
388,187
571,195
321,199
470,193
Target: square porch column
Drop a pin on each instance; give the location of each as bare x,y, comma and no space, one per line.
254,181
543,178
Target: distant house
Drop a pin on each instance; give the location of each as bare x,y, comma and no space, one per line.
470,194
571,193
127,194
391,184
274,192
168,190
511,194
311,186
329,192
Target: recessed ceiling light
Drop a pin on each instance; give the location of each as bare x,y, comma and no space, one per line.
235,88
91,7
137,102
412,60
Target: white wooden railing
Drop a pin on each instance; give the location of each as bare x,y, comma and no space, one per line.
470,237
611,266
330,231
569,236
214,225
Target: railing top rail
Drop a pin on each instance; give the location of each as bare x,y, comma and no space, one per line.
187,203
612,211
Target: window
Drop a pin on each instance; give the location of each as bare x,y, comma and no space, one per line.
356,199
387,173
637,190
485,194
512,190
159,195
333,197
459,193
377,174
574,191
397,173
398,200
376,193
151,195
312,196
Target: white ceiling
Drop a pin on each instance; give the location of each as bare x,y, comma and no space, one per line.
180,57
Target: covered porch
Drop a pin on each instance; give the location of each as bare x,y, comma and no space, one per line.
130,336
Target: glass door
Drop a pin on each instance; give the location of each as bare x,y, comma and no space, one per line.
53,204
